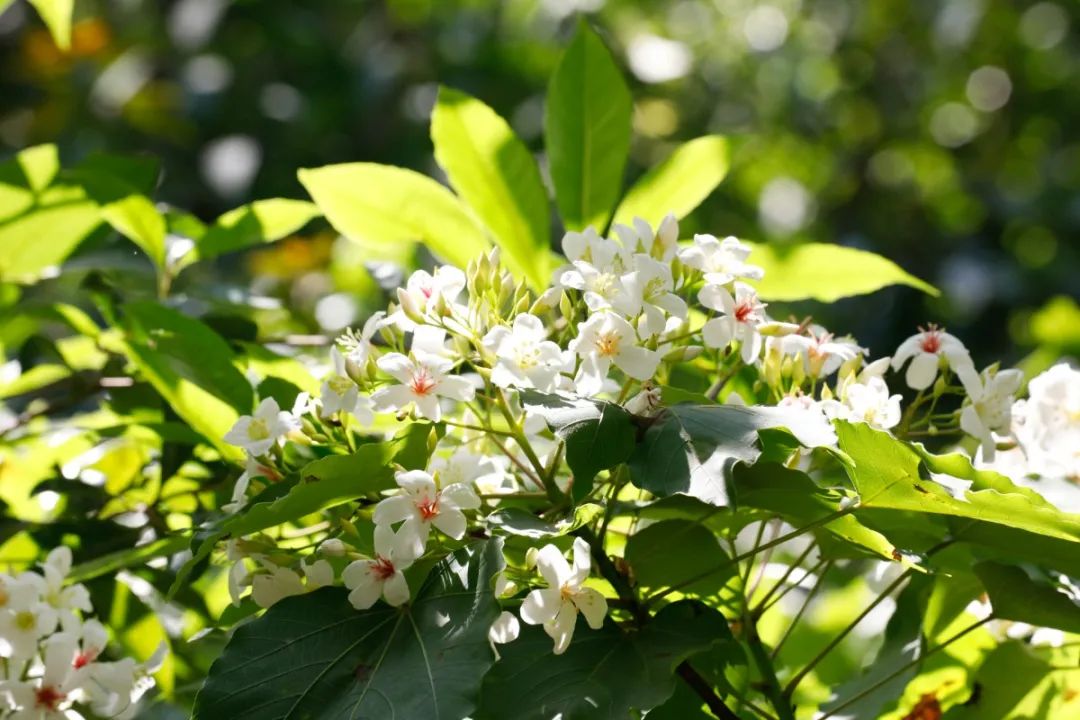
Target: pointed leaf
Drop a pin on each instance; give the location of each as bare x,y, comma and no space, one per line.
825,272
679,184
260,222
493,171
691,449
316,657
587,131
387,205
57,17
1015,596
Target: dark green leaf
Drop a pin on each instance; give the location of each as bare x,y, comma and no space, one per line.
672,553
316,657
598,435
1015,596
517,521
587,127
692,449
605,674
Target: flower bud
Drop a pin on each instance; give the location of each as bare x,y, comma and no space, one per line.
530,558
409,306
332,547
548,300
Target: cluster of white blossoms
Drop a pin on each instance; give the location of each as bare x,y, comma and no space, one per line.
52,666
458,347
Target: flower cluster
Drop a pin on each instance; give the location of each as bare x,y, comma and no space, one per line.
53,654
625,311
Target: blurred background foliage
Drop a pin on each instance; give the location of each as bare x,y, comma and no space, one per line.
942,134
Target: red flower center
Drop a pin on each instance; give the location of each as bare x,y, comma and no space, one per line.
744,310
931,342
422,383
428,508
84,658
383,569
48,698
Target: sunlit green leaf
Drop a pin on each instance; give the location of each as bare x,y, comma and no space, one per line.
493,171
260,222
587,131
57,16
679,184
820,271
389,205
1015,596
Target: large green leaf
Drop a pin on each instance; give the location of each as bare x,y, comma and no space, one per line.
605,674
587,131
679,184
493,171
57,17
191,367
1014,682
389,205
598,435
260,222
825,272
886,473
1015,596
658,557
692,449
316,657
518,521
794,496
34,206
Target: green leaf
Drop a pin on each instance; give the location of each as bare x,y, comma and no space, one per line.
679,184
587,131
517,521
314,656
825,272
129,557
598,435
136,218
119,186
57,16
659,556
1014,682
390,205
1015,596
191,367
258,223
493,171
886,473
34,206
794,496
605,674
691,449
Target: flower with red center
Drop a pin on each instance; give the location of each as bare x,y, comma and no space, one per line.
606,339
556,607
740,316
423,378
930,349
422,504
822,353
381,576
48,698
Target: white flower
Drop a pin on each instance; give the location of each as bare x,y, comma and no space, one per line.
721,260
605,339
741,317
259,432
318,574
1048,423
525,358
358,346
64,598
252,469
277,583
425,294
238,571
990,409
488,474
868,402
382,575
640,238
424,379
504,630
25,622
340,394
649,291
556,607
926,350
601,286
46,697
822,354
422,505
588,246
